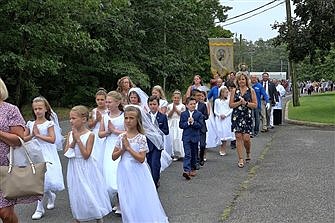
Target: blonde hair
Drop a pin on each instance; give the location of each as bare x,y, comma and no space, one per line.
3,90
81,111
238,77
160,90
177,92
116,96
130,108
47,106
221,90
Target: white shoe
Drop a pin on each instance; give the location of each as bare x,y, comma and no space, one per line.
51,201
118,211
114,208
222,153
37,215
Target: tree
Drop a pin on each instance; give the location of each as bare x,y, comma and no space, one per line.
309,32
40,44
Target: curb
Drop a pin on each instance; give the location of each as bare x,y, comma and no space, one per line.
298,122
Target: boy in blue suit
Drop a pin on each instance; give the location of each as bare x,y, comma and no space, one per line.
154,154
201,107
191,122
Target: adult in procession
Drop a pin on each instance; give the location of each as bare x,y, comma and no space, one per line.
11,126
242,100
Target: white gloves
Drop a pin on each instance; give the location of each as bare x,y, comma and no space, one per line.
267,106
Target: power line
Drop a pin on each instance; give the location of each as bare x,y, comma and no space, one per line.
251,11
253,15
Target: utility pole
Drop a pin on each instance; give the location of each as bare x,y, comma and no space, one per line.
291,65
240,49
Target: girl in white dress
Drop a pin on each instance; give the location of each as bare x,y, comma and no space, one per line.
173,111
166,154
111,126
43,130
223,113
87,190
138,196
96,116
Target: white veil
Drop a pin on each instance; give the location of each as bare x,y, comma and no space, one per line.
143,97
58,131
151,131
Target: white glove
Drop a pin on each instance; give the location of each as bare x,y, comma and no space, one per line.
267,106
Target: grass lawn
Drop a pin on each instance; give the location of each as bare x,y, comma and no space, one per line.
318,107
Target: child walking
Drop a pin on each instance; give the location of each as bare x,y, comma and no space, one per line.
154,155
138,196
223,113
94,121
43,130
166,155
191,122
87,190
111,126
173,111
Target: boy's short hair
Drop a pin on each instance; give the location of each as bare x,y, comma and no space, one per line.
190,99
153,98
195,91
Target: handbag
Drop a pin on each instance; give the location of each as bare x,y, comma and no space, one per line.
34,149
22,181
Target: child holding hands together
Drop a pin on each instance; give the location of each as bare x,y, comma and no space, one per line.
138,197
88,198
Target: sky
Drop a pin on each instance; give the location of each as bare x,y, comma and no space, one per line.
258,26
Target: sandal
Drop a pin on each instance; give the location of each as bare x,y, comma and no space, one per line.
240,164
247,160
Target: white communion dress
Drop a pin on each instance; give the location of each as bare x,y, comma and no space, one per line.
87,189
138,196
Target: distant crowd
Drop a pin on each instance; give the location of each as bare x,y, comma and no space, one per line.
308,87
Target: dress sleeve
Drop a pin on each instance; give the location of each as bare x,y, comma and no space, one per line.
183,108
15,118
142,141
51,123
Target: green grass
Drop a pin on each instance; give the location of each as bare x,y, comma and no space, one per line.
314,108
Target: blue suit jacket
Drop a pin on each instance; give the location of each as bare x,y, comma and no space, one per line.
203,109
163,126
191,133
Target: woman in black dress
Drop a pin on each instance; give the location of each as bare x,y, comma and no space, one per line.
242,100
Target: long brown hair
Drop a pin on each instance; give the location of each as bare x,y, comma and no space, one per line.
131,108
47,106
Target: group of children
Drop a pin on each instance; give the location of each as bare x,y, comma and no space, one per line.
124,147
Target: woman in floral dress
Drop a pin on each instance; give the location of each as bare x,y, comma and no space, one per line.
11,125
243,100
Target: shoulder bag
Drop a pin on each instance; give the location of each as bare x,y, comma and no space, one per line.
22,181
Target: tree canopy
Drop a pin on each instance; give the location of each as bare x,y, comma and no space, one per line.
65,50
312,33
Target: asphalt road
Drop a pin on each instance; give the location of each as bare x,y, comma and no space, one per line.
290,179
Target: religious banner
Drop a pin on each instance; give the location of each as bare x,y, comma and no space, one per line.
221,54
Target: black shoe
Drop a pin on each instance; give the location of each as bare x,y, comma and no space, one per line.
202,163
233,144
